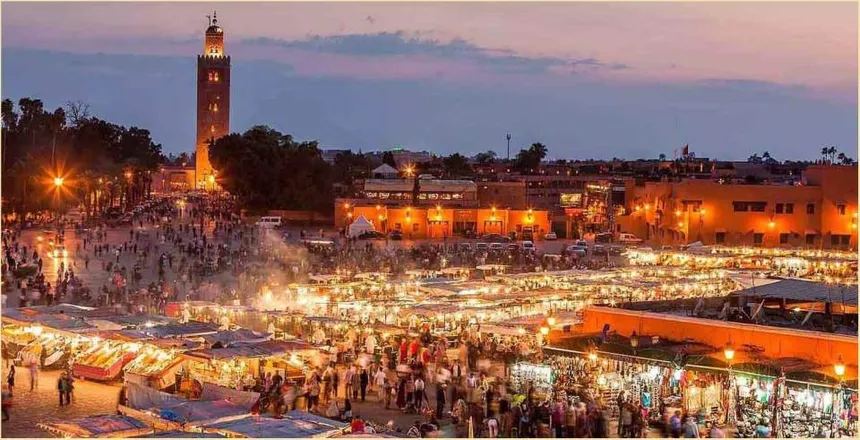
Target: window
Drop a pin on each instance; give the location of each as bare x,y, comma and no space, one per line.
783,238
784,208
414,227
789,208
779,208
839,240
720,237
810,208
213,76
758,238
810,239
749,206
840,209
397,227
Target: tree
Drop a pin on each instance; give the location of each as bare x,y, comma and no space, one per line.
349,166
456,165
527,160
388,158
89,153
754,158
662,157
486,157
265,169
844,159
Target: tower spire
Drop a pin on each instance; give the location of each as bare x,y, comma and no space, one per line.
214,17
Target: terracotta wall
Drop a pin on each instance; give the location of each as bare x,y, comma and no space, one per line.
821,348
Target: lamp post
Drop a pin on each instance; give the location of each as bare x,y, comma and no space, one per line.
634,342
731,416
839,369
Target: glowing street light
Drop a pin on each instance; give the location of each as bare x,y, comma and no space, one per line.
839,368
58,181
544,330
729,352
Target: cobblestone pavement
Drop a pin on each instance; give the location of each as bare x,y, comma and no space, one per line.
42,404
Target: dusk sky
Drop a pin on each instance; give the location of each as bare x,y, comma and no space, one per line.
590,80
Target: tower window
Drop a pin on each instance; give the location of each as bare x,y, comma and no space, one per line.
213,107
213,76
212,129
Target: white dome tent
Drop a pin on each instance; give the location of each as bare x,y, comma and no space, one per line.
360,226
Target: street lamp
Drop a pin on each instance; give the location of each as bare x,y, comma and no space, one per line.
731,416
551,320
58,181
839,369
634,342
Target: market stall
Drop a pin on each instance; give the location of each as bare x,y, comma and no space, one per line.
238,366
105,426
293,424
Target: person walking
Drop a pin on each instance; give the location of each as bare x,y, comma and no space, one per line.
62,387
34,375
363,381
10,379
440,399
379,381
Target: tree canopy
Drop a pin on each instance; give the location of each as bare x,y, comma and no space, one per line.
266,169
39,145
527,160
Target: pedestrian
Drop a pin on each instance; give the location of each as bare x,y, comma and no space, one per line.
440,399
10,379
6,403
675,425
379,380
363,380
34,375
691,429
62,387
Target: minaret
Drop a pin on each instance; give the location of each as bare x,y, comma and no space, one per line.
213,100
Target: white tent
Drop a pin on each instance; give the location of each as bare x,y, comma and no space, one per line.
360,226
386,171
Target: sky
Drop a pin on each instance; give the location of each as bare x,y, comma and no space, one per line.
589,80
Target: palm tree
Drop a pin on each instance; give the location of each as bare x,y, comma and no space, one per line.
824,151
832,152
539,150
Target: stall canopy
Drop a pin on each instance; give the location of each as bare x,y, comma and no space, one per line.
107,425
294,424
802,291
235,336
193,328
249,350
360,226
175,433
215,403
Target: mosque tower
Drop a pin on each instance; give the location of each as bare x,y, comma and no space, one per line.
213,100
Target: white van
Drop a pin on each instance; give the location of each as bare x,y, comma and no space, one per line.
269,222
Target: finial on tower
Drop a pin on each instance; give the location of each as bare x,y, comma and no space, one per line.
214,17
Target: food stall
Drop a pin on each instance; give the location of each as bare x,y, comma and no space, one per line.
238,366
104,360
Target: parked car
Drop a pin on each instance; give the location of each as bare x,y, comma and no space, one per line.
627,238
582,243
600,249
497,247
371,235
513,247
464,247
550,236
268,222
616,249
528,246
496,238
396,235
579,251
482,247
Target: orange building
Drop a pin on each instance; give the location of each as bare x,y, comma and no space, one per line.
444,222
821,212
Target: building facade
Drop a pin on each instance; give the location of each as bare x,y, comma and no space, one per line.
442,221
818,212
213,101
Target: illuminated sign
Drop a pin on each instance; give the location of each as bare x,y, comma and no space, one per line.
571,199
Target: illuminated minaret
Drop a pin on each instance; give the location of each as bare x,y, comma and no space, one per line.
213,100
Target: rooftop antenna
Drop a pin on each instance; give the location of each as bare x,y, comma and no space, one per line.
508,137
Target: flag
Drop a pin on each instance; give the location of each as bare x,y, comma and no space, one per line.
686,150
